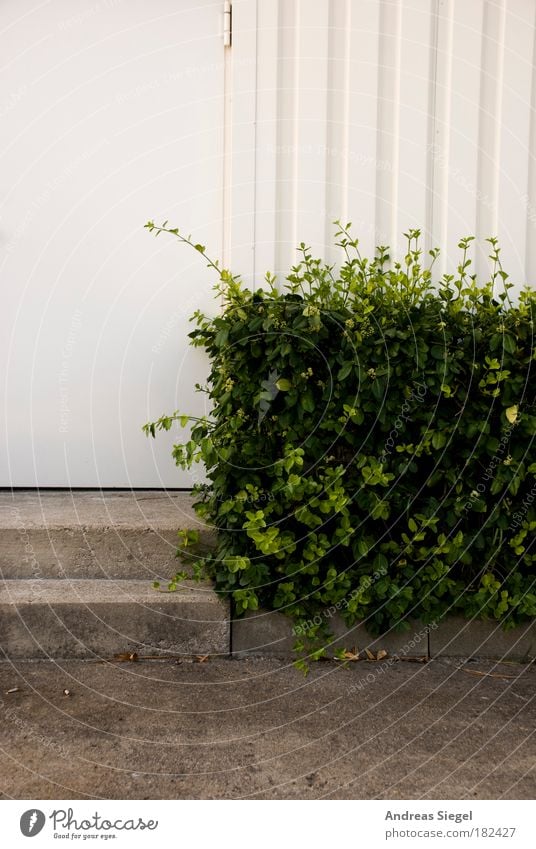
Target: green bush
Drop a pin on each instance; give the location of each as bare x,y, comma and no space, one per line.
370,446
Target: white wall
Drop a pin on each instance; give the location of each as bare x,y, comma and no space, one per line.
389,113
112,114
392,114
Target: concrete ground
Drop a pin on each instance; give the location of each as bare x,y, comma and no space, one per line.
256,728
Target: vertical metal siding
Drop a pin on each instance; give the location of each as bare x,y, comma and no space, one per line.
395,114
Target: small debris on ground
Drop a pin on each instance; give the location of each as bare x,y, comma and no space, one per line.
351,654
379,655
411,658
490,674
354,655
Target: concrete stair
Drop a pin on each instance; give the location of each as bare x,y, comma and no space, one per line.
77,571
94,534
101,618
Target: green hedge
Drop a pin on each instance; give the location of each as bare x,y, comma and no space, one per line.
371,442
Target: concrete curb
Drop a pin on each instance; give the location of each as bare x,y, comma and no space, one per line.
269,633
457,637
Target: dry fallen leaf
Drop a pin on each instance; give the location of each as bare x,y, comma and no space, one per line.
351,654
201,658
370,656
381,654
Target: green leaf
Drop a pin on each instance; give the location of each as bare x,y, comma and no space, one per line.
344,371
439,439
307,402
511,413
509,343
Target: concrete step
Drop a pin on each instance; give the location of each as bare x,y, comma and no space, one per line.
94,534
78,567
63,618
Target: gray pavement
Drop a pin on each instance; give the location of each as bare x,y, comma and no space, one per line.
256,728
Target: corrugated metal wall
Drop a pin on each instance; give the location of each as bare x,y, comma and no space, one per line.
389,113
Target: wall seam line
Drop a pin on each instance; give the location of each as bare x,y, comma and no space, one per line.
431,165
